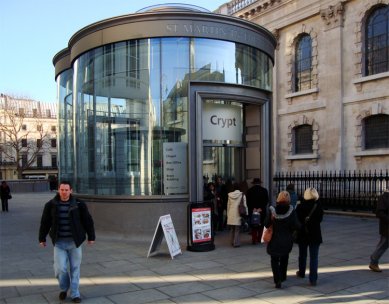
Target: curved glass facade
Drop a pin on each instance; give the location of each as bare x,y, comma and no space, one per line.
131,97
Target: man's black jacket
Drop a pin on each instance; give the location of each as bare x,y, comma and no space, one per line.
81,221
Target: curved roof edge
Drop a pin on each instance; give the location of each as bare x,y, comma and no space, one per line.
165,24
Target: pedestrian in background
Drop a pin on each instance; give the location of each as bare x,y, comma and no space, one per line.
67,221
293,195
382,212
234,219
257,201
310,214
284,221
5,195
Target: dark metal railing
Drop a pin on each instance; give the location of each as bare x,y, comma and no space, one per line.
355,191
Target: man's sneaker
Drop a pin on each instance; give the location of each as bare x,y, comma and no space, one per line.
76,300
62,295
375,268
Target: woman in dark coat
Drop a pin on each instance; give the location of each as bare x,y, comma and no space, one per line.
284,221
5,193
310,214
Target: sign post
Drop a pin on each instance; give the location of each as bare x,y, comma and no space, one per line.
165,228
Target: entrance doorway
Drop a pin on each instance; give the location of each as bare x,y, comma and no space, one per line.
223,141
231,131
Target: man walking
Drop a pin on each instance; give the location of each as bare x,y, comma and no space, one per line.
382,212
67,221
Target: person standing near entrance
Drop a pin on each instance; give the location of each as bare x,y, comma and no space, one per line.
234,220
310,214
284,222
257,201
382,212
5,195
67,221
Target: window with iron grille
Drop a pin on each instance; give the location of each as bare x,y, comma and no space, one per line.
24,142
24,160
54,161
377,41
39,161
302,139
376,131
303,64
53,143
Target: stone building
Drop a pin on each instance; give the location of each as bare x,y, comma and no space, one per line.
28,136
330,83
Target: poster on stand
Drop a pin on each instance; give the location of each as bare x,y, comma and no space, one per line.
165,228
201,225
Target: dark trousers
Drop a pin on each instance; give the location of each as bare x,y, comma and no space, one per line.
381,247
4,204
313,260
256,234
279,267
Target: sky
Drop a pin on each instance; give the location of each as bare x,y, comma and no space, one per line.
33,31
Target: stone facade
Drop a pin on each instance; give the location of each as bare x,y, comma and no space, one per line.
27,121
340,96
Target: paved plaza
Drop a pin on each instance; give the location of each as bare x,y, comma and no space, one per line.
117,270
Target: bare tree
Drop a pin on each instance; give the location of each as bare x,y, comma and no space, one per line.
20,144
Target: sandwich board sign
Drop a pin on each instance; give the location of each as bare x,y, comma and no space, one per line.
165,228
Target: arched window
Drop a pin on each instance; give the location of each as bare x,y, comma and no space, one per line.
376,131
303,64
377,41
302,139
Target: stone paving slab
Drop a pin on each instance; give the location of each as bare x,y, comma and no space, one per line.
116,269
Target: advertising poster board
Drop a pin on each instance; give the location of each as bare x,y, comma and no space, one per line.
201,224
165,228
200,234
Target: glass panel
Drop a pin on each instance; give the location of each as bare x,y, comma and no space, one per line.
120,123
222,157
377,42
303,68
223,61
65,125
226,162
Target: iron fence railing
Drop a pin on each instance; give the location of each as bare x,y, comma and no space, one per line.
352,190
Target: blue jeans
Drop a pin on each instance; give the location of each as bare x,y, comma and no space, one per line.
313,260
67,255
381,247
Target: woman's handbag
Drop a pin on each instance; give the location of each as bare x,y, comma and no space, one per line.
242,208
267,234
9,196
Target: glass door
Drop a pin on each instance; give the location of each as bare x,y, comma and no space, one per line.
222,141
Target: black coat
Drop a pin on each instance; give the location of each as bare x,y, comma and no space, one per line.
382,212
310,231
81,221
4,192
284,224
257,197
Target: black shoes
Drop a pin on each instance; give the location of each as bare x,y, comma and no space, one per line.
375,268
299,274
62,295
278,285
76,300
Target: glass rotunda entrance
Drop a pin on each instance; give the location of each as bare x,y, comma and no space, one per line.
152,104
